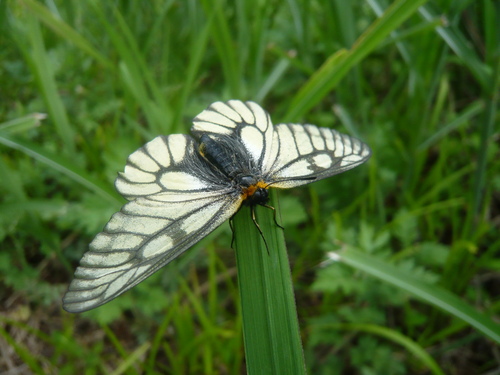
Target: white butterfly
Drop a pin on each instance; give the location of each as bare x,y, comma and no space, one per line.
181,189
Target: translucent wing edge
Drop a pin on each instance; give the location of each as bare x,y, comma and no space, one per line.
307,153
109,268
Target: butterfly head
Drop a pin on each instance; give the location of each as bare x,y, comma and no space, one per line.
254,191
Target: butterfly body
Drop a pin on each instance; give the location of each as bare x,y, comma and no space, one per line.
181,189
231,160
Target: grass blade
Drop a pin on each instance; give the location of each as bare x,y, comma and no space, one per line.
136,77
487,128
225,46
463,118
459,44
132,358
42,69
65,31
22,124
270,325
432,294
275,76
198,48
62,165
411,346
24,353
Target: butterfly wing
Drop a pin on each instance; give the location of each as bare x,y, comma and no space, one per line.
306,153
176,198
288,155
175,202
246,122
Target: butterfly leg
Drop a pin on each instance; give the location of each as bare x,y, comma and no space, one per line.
233,233
274,215
252,213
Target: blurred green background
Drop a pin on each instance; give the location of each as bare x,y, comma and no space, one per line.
415,291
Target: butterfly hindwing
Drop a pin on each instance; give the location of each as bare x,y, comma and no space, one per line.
306,153
246,122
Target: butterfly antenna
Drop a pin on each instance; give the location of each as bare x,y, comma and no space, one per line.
312,178
252,213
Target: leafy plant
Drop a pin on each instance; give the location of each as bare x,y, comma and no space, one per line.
413,284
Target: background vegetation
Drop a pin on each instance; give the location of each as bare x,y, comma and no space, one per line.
412,281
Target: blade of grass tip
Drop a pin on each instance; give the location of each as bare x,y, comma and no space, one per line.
132,359
432,294
22,124
270,325
414,348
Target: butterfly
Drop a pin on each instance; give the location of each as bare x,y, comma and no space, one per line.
181,188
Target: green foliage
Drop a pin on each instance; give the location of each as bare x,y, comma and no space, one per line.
413,233
270,326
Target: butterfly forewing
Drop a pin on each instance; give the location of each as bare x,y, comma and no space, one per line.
167,215
167,163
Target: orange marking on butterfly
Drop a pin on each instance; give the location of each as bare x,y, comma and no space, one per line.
249,191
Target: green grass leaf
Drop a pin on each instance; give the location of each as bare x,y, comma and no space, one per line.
411,346
62,165
458,43
270,325
433,294
65,31
42,69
